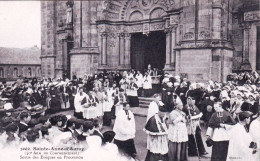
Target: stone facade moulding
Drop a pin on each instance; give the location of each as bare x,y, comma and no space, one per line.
87,50
205,44
252,16
142,26
48,56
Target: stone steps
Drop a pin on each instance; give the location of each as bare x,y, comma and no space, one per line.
144,102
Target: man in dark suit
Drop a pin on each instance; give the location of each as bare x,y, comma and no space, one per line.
25,118
97,127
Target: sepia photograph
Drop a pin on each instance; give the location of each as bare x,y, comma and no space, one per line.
130,80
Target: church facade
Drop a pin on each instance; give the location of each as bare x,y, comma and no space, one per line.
197,39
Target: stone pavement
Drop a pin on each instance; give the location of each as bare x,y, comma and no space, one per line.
137,111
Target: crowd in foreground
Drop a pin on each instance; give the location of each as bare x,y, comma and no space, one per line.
30,116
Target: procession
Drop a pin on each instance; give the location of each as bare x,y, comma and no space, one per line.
130,80
30,115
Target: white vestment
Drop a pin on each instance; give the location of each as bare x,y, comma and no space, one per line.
254,132
239,143
124,127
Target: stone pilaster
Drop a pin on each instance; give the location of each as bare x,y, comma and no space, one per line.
246,66
216,24
173,45
168,49
117,47
122,49
246,27
104,49
127,49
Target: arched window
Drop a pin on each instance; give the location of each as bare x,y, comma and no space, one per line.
29,72
1,72
15,74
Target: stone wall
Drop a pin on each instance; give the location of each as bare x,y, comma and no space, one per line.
11,72
199,33
82,64
48,18
195,64
237,39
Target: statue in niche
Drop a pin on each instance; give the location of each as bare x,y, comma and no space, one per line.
69,13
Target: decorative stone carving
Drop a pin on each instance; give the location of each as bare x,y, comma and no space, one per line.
127,36
135,4
146,3
167,23
86,50
145,6
104,35
204,34
168,30
136,28
112,28
101,28
174,19
174,27
112,40
157,26
111,35
146,28
136,16
121,35
111,15
188,35
114,7
245,25
157,13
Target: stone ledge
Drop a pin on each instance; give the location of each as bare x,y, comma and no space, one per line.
204,44
105,67
48,56
85,50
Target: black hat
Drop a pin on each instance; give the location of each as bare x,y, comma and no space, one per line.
109,136
87,125
243,115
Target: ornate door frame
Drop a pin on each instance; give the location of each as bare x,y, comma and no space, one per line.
122,18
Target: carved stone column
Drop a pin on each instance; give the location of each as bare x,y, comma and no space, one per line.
173,45
168,49
246,64
122,49
118,47
104,49
127,49
246,27
217,8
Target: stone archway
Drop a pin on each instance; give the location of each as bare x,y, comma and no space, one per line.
121,19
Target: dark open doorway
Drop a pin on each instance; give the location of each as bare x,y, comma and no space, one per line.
258,49
147,50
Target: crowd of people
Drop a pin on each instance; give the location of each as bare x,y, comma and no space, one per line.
31,112
229,111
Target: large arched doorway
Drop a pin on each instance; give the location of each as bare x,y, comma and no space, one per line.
148,49
133,34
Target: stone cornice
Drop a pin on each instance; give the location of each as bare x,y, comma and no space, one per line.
120,67
107,22
84,50
252,16
47,56
20,64
204,44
